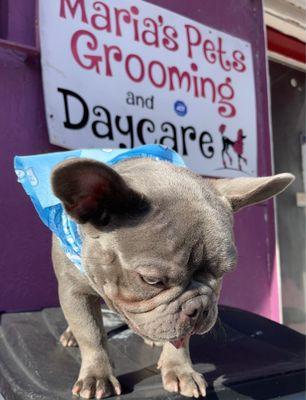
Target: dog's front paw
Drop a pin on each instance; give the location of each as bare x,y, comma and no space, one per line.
67,339
97,387
152,344
184,380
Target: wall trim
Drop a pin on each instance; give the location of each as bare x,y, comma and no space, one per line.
287,16
273,56
286,46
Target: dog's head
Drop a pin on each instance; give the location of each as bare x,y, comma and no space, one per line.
157,239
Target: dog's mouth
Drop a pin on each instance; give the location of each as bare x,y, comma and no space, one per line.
199,328
181,327
179,343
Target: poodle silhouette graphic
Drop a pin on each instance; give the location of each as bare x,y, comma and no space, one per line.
236,146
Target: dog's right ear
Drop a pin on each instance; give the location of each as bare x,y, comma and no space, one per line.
90,190
242,192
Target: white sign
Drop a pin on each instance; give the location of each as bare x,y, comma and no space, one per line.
123,73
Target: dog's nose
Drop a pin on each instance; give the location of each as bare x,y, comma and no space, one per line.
192,307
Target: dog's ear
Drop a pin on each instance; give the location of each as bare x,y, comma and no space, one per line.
242,192
90,191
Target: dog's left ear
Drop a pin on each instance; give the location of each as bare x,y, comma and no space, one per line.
90,191
242,192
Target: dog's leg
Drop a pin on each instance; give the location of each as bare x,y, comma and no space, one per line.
239,163
83,313
67,338
229,156
177,372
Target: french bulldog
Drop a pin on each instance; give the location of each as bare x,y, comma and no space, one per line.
157,241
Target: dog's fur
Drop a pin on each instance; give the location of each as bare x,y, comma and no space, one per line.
157,240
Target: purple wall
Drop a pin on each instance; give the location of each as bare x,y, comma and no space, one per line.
27,280
25,263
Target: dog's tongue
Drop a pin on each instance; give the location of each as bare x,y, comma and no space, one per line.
179,343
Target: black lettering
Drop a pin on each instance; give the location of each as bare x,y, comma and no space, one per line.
166,126
107,123
205,140
128,131
141,126
130,99
68,123
150,103
192,136
140,101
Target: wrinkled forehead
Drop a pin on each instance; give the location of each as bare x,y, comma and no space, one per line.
184,214
176,228
168,225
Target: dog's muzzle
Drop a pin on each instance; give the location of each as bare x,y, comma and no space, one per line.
197,313
194,307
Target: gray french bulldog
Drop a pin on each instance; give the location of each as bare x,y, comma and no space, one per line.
157,241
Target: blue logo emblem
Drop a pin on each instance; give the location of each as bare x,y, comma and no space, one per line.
180,108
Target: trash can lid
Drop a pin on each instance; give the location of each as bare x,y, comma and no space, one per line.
244,356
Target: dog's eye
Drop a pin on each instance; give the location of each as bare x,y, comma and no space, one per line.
151,281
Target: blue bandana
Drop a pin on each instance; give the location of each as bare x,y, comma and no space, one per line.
33,173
